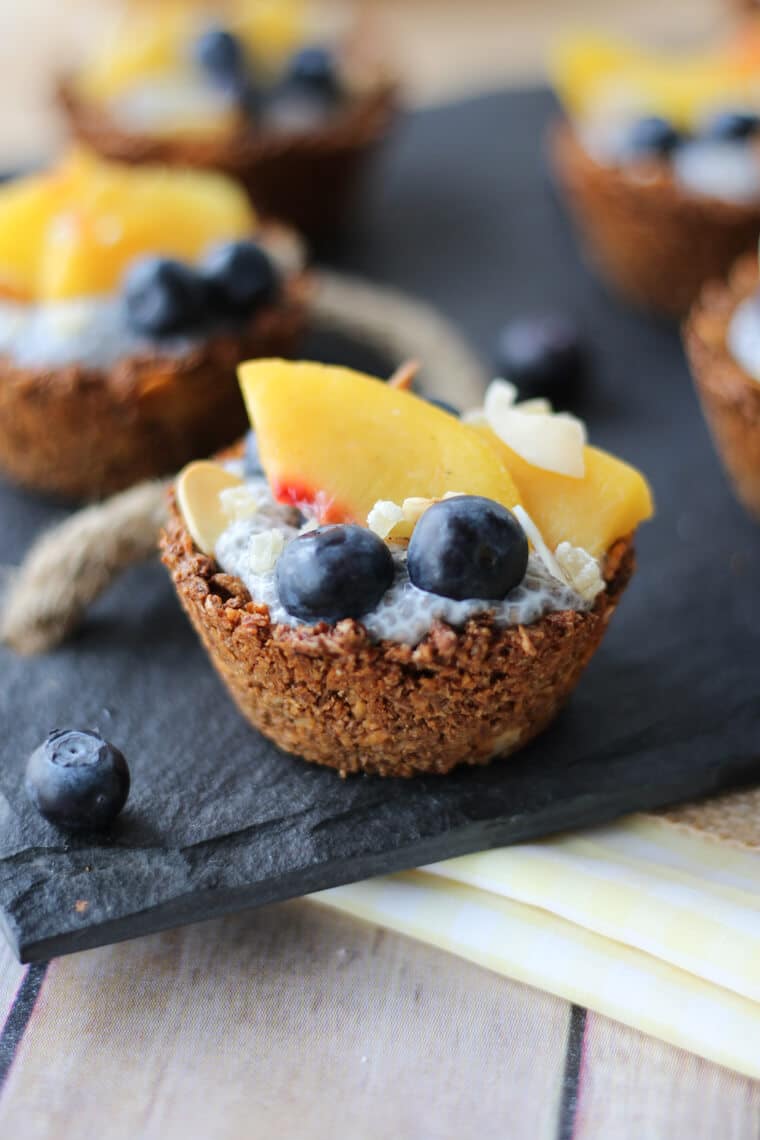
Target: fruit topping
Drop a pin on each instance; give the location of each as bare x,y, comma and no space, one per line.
74,231
651,137
334,572
542,356
77,780
163,296
444,405
314,70
222,57
199,495
608,503
240,277
337,442
468,547
552,441
730,126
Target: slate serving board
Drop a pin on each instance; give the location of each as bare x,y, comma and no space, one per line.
462,213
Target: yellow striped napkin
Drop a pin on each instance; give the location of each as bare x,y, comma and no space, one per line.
655,925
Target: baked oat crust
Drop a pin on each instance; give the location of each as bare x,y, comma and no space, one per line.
651,239
335,697
308,178
82,433
730,398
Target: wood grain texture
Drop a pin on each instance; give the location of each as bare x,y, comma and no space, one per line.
632,1087
288,1022
11,976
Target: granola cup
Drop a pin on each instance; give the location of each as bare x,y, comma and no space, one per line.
730,397
654,242
82,433
332,695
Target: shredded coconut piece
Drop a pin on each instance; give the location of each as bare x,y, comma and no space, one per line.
264,550
537,407
384,516
540,547
581,570
242,502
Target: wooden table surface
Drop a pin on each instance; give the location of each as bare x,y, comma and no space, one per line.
294,1020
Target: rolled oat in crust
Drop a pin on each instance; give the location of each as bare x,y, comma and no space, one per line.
308,178
82,433
730,398
651,239
335,697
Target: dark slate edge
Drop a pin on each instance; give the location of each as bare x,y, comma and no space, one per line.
481,835
568,1108
19,1017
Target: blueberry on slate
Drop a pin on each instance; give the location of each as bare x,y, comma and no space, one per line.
313,69
251,458
163,296
730,126
77,780
444,405
542,355
468,547
652,136
240,276
334,572
222,56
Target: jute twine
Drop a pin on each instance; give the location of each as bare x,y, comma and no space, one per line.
73,563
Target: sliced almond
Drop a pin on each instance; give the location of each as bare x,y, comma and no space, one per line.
554,443
199,487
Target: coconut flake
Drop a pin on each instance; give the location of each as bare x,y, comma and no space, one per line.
241,502
580,569
384,516
537,539
264,550
552,441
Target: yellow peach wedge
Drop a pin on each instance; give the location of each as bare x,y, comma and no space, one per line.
341,441
73,232
607,503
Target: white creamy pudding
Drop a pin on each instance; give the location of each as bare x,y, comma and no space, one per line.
405,613
92,332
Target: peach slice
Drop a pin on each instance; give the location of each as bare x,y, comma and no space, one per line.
74,230
339,441
125,212
608,503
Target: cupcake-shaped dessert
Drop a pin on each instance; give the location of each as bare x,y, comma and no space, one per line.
247,87
387,588
127,299
659,159
722,340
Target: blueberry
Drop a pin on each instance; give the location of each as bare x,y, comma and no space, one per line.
251,460
222,56
652,136
542,355
334,572
468,547
444,405
313,69
730,126
163,296
77,780
240,276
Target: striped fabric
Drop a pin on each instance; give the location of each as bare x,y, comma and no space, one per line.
644,922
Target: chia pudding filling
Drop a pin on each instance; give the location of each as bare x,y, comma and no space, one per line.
405,613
